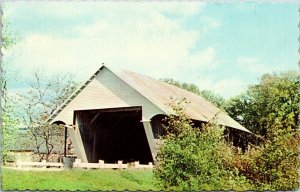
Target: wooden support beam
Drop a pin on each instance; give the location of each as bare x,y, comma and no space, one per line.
94,118
150,138
119,109
77,141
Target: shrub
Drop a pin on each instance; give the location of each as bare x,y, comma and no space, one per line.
273,165
194,158
200,159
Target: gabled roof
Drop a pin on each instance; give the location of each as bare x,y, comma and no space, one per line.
160,94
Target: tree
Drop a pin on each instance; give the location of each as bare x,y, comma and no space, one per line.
270,109
44,96
9,123
274,101
214,98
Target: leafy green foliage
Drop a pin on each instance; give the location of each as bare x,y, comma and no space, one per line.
270,110
9,38
9,123
9,127
274,101
214,98
194,158
273,165
276,166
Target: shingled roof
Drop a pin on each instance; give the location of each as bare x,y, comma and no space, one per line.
161,94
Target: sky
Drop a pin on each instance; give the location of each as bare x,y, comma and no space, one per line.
222,47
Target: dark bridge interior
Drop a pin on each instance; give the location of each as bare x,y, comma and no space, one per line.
113,134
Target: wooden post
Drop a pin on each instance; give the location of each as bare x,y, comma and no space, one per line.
44,164
150,165
120,164
18,164
94,147
136,164
101,163
65,149
77,163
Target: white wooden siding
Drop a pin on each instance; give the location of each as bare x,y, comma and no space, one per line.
107,91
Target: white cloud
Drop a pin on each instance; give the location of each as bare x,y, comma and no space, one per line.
204,83
146,41
65,10
45,51
204,58
117,9
252,65
210,23
150,43
229,87
154,41
226,87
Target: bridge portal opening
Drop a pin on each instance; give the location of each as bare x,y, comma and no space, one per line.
113,134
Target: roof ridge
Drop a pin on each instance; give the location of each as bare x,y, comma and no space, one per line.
114,71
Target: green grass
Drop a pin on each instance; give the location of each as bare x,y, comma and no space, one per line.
78,180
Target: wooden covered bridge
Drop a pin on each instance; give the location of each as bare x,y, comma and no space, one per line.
117,115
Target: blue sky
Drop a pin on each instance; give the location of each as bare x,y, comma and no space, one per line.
218,46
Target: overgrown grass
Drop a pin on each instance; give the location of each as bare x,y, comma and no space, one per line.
78,180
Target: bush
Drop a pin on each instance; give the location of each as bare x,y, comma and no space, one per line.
274,165
195,158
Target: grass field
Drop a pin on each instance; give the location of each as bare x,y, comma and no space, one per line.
78,180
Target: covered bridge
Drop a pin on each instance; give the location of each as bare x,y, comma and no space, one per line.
117,114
